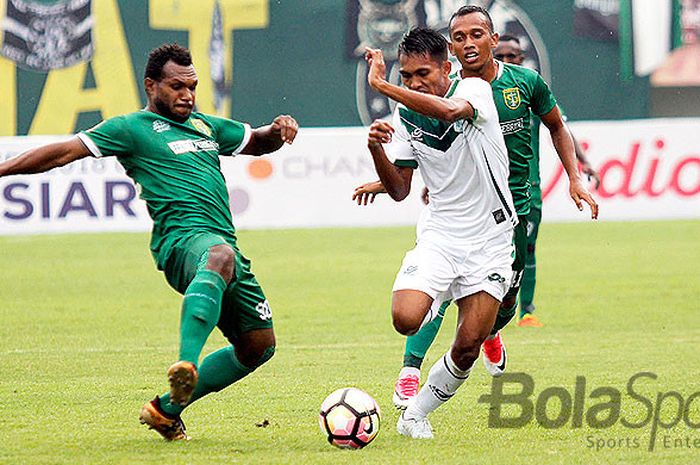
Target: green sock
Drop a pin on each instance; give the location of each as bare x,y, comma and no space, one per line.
503,317
218,370
418,344
527,285
201,308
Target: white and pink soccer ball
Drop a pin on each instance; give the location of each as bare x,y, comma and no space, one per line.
349,418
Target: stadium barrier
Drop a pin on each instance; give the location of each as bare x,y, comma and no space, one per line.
650,170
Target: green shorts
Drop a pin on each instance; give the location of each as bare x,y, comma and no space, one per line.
520,246
244,307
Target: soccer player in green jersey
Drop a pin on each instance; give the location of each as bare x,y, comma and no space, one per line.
510,51
519,93
172,154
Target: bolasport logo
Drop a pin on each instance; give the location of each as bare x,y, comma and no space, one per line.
648,416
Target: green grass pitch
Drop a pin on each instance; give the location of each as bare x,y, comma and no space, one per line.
89,328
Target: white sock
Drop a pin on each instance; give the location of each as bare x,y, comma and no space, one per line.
405,371
442,383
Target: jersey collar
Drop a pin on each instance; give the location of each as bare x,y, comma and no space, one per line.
501,67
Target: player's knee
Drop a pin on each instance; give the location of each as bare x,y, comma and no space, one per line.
255,355
465,351
222,259
405,323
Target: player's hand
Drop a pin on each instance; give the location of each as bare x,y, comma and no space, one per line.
425,196
589,171
380,132
580,194
286,126
377,69
367,192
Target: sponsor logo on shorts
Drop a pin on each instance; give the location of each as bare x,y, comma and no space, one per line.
496,277
530,228
417,134
263,308
411,269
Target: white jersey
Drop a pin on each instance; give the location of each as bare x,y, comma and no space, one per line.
464,165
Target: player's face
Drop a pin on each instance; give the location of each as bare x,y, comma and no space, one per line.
472,42
509,52
423,73
174,95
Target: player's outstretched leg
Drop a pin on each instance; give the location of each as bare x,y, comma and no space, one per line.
476,317
417,345
201,309
218,370
443,380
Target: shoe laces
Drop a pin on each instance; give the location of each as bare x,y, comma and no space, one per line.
492,348
408,385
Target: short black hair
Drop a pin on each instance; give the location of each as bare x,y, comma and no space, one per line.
423,40
509,38
163,54
469,9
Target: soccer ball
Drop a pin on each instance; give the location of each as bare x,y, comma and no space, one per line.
349,418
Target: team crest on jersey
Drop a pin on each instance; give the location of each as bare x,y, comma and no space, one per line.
382,23
511,97
160,126
201,126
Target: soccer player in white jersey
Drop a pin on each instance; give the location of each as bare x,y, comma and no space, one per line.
449,130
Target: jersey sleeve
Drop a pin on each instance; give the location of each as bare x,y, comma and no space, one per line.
111,137
400,149
232,136
543,100
479,94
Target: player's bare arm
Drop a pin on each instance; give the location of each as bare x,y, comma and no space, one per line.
366,193
446,109
564,145
45,158
271,137
396,180
586,166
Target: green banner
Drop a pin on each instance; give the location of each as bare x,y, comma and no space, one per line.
259,58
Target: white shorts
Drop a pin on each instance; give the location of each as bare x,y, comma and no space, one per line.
447,270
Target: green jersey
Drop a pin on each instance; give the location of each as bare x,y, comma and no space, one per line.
176,170
519,93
